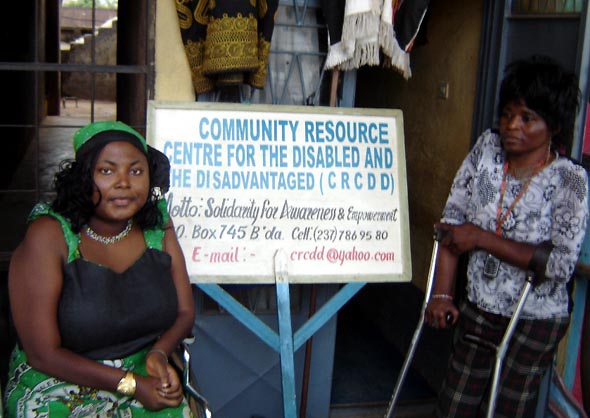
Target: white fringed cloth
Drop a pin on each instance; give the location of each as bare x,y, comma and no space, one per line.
373,30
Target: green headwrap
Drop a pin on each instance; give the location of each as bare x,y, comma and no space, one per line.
104,132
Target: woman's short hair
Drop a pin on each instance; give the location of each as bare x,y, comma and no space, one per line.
74,187
547,89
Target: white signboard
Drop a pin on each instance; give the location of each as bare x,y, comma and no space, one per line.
327,186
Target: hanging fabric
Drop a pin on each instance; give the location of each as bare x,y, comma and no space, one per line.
409,17
227,42
333,11
375,32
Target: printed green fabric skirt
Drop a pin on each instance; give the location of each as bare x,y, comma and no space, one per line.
30,393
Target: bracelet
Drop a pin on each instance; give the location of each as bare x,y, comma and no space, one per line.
441,296
157,350
127,384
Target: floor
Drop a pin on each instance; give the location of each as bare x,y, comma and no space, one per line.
366,367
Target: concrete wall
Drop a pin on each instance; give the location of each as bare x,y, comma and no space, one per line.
173,77
79,84
437,131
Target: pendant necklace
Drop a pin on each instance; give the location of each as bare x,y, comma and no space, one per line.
109,240
491,263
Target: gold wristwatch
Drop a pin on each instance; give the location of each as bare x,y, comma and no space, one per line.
127,385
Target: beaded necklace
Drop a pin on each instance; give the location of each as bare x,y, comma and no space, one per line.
109,240
501,217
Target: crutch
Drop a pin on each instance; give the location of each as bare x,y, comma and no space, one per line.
438,235
500,349
503,346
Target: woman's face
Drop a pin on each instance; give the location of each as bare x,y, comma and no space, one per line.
523,131
121,181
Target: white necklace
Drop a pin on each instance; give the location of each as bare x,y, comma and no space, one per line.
109,240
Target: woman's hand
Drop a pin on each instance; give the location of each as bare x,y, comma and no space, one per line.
153,395
439,311
157,366
460,238
156,362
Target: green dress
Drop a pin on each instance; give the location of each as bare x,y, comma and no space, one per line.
30,393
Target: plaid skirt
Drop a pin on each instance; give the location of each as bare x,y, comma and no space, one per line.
30,393
465,391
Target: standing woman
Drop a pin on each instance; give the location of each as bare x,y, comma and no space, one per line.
98,288
516,205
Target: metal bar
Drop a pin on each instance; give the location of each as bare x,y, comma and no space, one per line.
302,53
93,61
301,77
17,191
187,383
37,98
48,66
417,333
93,35
238,311
299,26
501,350
325,313
285,335
316,90
289,73
150,10
287,342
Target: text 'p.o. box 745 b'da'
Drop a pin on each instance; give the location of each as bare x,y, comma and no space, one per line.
325,186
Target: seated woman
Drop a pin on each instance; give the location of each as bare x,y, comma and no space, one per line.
99,290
